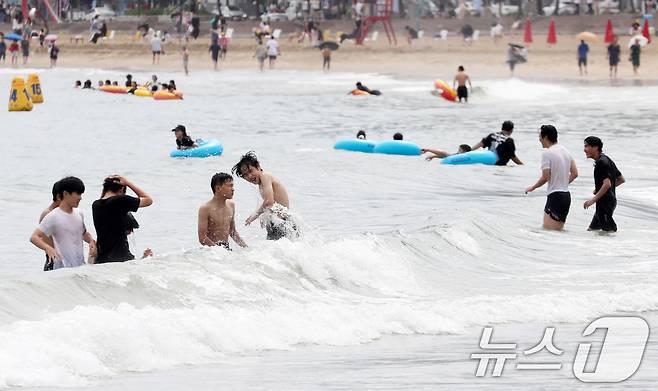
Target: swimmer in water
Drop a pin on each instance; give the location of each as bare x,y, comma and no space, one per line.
276,218
398,136
460,82
217,216
183,141
437,153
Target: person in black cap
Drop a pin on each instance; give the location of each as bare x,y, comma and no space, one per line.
183,141
129,80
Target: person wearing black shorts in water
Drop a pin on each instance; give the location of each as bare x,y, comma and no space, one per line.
558,169
502,144
606,179
460,81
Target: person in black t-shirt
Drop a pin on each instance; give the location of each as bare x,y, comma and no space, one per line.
606,179
111,221
183,141
501,143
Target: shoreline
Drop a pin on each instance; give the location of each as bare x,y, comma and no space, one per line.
427,58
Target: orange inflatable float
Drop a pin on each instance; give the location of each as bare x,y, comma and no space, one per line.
114,89
166,95
359,92
444,90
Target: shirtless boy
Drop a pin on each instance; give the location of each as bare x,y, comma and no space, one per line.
217,216
276,219
460,81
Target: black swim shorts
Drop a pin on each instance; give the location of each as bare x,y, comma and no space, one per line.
582,61
557,205
462,92
602,219
286,229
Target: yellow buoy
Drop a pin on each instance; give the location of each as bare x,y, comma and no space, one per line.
34,88
19,99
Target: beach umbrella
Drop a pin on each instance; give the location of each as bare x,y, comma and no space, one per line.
527,35
642,39
609,32
587,37
551,39
645,31
331,45
50,37
13,37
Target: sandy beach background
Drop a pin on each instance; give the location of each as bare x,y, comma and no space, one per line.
427,57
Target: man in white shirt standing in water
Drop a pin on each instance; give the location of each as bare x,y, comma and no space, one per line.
558,169
67,227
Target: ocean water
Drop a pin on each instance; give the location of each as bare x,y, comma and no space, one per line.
401,264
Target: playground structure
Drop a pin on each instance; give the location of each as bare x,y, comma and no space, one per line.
382,10
40,12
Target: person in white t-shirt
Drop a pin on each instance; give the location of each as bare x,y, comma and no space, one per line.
67,228
156,47
558,169
272,51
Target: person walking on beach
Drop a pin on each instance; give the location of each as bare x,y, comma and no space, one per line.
558,169
606,179
25,48
502,144
156,47
186,60
272,51
326,58
3,48
460,83
66,225
110,218
583,49
95,29
261,55
277,220
54,54
223,42
217,216
634,58
214,53
13,50
614,53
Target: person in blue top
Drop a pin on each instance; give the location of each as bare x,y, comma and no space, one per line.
583,49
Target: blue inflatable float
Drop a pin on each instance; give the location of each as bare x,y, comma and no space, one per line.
355,145
473,157
205,148
395,147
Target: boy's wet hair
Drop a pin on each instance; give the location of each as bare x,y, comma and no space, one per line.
398,136
508,126
549,132
56,193
112,184
249,159
71,184
219,179
594,141
361,134
465,148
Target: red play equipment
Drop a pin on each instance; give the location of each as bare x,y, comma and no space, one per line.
527,36
609,32
381,12
552,36
41,5
645,30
